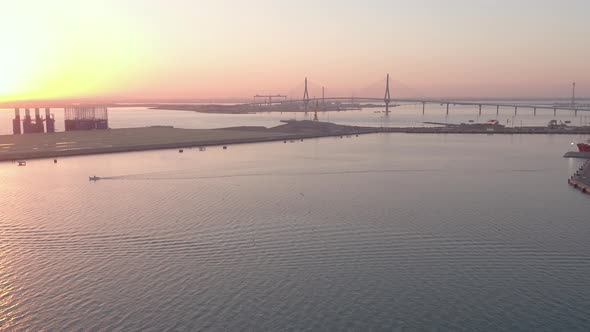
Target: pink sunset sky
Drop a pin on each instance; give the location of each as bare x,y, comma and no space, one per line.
218,49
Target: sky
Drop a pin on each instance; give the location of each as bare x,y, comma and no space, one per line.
183,49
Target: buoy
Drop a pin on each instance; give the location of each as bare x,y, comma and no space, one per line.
55,161
180,151
225,147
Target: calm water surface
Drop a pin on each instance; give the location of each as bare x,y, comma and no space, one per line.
402,116
378,232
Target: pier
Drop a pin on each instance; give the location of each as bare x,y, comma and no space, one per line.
581,178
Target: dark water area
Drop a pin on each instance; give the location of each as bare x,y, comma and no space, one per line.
378,232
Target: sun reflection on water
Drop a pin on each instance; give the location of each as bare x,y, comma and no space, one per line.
9,304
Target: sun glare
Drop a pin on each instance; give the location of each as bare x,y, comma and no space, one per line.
18,62
58,56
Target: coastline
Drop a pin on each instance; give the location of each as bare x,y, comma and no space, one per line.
75,143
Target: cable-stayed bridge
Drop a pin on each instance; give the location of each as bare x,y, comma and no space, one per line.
307,103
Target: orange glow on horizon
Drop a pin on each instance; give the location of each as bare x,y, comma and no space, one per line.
201,49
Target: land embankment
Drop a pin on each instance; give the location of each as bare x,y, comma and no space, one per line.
29,146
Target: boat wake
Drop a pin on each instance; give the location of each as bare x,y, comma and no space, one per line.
189,174
181,175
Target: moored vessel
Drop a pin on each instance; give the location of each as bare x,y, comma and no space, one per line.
584,147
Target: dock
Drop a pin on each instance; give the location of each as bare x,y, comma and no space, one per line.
576,154
581,178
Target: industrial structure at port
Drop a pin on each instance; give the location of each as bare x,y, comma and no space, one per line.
86,118
28,125
76,118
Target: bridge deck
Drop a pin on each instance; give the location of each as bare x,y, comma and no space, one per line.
581,107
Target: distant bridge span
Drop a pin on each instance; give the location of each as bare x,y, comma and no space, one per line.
386,100
446,102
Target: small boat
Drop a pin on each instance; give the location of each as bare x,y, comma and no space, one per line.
93,178
22,163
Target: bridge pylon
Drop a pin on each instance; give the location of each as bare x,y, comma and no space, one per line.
315,113
305,96
573,94
387,98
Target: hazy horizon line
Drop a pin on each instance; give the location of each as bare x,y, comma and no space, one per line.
138,100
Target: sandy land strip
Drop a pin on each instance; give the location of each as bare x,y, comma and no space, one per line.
32,146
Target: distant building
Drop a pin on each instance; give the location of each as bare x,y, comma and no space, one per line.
86,118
